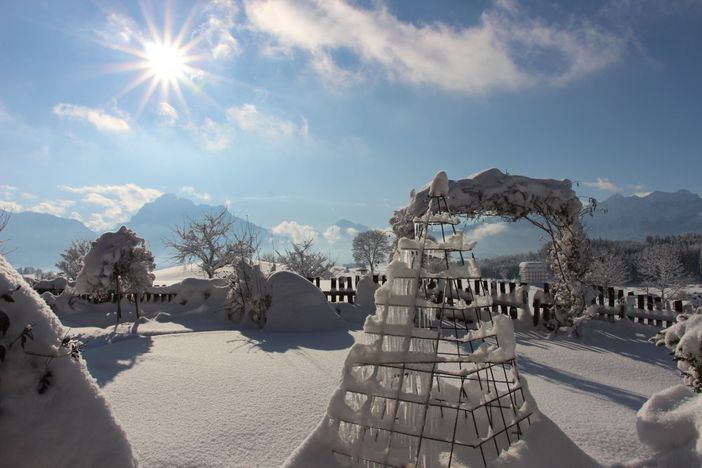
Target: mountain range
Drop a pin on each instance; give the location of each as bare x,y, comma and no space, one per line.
35,239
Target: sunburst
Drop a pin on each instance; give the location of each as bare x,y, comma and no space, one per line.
165,64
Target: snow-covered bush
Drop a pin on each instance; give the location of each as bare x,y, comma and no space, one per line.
51,410
684,339
117,261
249,295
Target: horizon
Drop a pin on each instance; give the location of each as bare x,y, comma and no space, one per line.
295,115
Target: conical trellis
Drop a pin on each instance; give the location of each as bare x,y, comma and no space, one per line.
434,387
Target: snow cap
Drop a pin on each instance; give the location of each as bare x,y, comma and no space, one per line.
439,187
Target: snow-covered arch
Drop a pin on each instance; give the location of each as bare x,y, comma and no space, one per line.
548,204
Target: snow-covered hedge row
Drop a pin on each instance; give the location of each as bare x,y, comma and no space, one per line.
684,339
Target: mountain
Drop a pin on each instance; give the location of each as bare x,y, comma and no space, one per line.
35,239
345,225
657,214
156,220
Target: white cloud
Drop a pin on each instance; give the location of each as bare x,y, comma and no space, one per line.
118,202
214,136
485,230
295,231
10,205
217,136
332,234
119,30
167,113
603,184
194,193
249,119
505,49
27,196
5,116
351,231
98,118
7,191
56,208
216,30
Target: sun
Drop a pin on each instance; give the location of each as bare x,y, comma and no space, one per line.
165,62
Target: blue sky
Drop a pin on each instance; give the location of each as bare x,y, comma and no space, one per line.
303,113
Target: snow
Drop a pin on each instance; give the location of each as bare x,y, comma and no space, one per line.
68,422
670,422
439,186
298,305
491,191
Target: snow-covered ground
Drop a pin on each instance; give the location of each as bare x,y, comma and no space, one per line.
248,398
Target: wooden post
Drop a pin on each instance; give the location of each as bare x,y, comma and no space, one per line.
136,303
493,294
376,279
512,309
536,307
610,296
332,297
600,295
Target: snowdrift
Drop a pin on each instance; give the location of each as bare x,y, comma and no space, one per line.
52,412
299,306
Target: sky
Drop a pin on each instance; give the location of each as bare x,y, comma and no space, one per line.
297,114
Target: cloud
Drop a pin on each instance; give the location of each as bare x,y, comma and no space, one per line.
641,194
5,116
56,208
10,205
296,232
351,231
167,113
119,30
249,119
214,136
118,202
485,230
505,49
217,136
332,234
192,192
216,30
603,184
7,191
98,118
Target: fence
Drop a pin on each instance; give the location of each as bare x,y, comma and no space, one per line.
343,288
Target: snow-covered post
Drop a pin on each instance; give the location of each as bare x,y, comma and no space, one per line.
118,260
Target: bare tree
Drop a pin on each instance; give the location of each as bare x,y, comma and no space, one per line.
607,268
4,219
209,240
303,261
661,268
72,258
371,248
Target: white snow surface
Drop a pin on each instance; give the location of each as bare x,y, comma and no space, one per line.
245,399
70,423
298,305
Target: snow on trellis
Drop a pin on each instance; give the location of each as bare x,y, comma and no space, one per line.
550,205
437,383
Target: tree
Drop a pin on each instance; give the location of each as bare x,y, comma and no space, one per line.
303,261
606,268
661,268
117,261
72,258
210,240
371,248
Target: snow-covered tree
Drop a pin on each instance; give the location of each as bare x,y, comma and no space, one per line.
72,258
303,261
661,268
117,261
607,268
371,248
210,240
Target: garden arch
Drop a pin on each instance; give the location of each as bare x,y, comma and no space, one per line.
550,205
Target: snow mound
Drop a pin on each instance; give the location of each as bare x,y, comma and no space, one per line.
297,305
439,187
52,412
670,422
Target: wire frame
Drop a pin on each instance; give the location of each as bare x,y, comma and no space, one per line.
416,393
